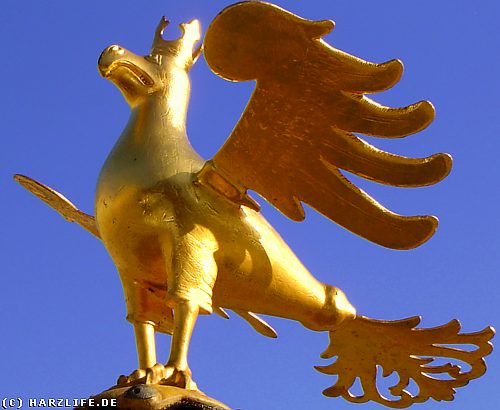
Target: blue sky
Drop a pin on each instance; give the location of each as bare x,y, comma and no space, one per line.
62,311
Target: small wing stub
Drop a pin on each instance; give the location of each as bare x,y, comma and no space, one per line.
299,129
60,203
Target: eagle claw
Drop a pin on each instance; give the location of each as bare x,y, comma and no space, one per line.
136,377
173,376
160,374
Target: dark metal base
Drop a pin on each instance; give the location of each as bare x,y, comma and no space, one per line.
151,397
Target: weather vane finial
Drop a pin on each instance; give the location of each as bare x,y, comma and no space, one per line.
187,239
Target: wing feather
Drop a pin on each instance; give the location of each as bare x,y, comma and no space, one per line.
298,128
60,203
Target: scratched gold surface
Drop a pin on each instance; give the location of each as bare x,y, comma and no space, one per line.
188,239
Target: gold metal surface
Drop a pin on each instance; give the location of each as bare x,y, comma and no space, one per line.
59,202
186,237
298,128
363,345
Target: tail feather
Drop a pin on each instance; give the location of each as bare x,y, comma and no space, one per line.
363,344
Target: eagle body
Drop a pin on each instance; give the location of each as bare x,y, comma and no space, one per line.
187,239
173,238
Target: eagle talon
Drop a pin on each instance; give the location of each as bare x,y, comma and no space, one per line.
178,377
136,377
155,374
160,374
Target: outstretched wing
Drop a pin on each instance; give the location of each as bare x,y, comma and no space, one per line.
298,129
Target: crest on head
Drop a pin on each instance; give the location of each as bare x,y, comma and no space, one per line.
181,49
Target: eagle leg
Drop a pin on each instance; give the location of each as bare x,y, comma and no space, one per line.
146,352
176,372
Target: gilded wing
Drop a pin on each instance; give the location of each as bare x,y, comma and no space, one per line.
60,203
298,129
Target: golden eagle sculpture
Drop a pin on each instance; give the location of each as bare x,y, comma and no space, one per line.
187,239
